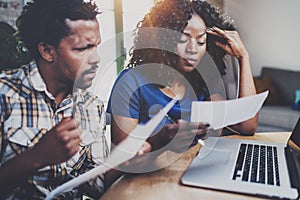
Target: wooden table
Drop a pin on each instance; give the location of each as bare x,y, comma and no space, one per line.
164,184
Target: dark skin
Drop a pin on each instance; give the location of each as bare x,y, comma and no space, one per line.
74,59
191,48
64,137
139,161
186,131
236,48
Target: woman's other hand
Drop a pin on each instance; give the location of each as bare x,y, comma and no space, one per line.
178,137
234,45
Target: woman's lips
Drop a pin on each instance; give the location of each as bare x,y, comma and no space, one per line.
190,61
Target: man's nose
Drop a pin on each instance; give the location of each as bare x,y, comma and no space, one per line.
94,58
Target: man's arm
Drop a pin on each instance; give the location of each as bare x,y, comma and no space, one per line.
57,146
139,161
18,169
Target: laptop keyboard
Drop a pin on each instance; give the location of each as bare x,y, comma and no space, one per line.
257,164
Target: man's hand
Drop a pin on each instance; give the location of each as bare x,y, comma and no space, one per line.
60,143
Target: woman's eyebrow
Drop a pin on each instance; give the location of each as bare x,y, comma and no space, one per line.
199,36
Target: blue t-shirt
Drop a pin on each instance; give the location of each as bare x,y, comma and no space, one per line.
136,95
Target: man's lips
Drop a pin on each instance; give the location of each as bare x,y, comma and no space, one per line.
90,73
93,70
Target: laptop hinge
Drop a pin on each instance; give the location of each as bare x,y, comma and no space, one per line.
293,164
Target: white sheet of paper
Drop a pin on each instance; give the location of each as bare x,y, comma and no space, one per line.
220,114
124,151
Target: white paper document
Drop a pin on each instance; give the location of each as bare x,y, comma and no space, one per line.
124,151
220,114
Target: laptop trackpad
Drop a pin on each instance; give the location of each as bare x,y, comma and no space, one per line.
208,167
212,158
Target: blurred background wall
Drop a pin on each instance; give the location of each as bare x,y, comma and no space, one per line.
270,30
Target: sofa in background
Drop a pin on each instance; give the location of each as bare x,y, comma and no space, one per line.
277,114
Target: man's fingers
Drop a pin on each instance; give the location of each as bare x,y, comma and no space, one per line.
70,136
68,123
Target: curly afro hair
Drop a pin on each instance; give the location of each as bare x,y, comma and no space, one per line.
172,16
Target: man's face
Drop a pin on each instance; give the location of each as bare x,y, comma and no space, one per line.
77,56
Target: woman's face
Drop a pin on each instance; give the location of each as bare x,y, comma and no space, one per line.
192,44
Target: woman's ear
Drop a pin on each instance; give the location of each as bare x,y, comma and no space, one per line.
46,51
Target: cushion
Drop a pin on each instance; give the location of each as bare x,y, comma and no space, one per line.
278,116
285,81
296,105
265,83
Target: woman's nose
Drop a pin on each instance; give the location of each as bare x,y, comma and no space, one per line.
192,46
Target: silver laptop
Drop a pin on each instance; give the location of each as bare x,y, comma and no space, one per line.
253,167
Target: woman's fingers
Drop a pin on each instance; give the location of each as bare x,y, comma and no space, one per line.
185,130
184,125
146,147
233,46
219,32
226,34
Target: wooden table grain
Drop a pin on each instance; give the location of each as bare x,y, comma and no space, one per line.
164,184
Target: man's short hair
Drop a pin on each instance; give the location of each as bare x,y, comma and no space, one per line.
45,21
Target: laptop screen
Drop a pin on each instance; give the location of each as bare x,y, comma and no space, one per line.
294,140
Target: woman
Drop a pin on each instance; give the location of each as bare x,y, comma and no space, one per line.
169,44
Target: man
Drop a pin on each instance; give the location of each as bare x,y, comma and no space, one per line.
52,129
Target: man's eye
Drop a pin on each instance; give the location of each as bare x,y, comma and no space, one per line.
82,49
